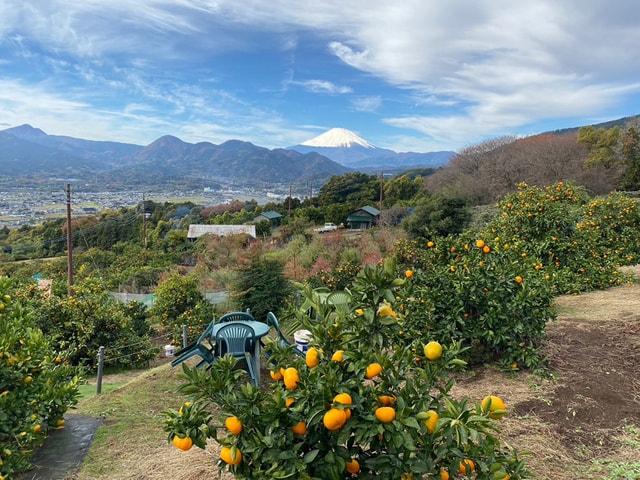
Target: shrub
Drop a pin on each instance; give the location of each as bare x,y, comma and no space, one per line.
261,287
615,220
180,302
79,325
37,385
437,216
540,226
491,302
339,277
335,417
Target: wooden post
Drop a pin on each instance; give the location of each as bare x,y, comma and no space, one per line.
69,244
100,370
144,223
185,336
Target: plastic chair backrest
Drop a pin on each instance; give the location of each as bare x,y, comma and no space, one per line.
272,321
235,336
207,332
236,317
338,298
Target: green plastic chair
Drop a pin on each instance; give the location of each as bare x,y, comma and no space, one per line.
197,349
236,317
237,340
272,321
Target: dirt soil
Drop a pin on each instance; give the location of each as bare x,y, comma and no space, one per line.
581,422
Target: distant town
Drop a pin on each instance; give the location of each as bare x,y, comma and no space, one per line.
22,206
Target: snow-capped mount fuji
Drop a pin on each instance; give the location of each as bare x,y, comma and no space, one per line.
353,151
338,138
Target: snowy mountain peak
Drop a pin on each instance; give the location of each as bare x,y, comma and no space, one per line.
338,137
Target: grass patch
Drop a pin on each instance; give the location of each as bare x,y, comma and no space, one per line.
89,390
131,442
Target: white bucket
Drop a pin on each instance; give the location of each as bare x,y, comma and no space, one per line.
302,339
169,350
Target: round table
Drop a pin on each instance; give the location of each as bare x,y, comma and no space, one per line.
260,329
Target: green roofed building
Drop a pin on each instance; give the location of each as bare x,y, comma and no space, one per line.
364,217
274,218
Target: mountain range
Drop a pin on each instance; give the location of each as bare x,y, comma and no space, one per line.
351,150
28,152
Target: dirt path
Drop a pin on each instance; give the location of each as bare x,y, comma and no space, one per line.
584,423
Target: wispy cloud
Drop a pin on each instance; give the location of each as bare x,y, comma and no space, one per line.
367,104
323,86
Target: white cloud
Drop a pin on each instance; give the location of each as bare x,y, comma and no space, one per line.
367,103
322,86
70,114
487,66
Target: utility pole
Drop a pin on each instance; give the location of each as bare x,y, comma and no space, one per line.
381,188
69,244
144,223
289,200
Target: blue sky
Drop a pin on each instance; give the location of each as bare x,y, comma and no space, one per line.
409,75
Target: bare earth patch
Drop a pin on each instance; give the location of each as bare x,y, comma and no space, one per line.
583,423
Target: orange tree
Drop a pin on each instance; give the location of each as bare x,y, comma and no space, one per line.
540,226
359,403
36,385
477,292
615,220
80,324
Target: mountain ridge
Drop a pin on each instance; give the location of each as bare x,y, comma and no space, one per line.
27,151
353,151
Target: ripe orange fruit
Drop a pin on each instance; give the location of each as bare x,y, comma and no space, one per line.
519,279
288,402
466,466
408,274
385,310
343,399
373,370
230,458
444,474
37,428
353,466
234,425
275,376
299,428
182,443
386,400
486,249
479,243
453,249
291,378
359,312
57,360
338,356
60,423
433,350
430,244
494,405
432,420
334,419
312,357
385,414
28,380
